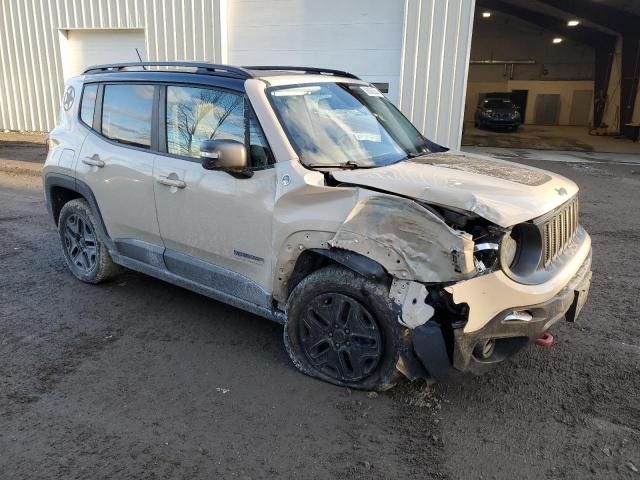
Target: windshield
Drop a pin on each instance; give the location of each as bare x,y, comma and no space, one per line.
497,103
335,124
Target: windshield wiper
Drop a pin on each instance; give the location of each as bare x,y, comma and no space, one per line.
416,155
348,165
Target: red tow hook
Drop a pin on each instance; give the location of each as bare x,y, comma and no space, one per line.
545,340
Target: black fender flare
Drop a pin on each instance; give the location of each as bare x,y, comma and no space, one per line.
360,264
52,180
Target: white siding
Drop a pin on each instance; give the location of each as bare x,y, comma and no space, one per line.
435,60
361,36
420,47
86,47
31,76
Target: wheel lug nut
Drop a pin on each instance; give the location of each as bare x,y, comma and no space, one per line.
347,331
331,334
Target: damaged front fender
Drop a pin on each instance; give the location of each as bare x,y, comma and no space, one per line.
408,240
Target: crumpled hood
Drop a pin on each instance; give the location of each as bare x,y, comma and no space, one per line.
502,192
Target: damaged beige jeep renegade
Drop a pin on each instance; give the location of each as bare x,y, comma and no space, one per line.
304,196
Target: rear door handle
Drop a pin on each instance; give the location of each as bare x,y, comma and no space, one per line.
172,182
94,161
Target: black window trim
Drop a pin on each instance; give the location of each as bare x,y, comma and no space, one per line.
250,113
158,118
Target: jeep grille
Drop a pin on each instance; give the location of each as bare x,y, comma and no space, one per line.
559,230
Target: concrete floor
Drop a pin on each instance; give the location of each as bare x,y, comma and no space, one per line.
560,138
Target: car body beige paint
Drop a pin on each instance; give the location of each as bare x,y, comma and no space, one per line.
490,294
405,238
408,240
504,193
66,139
218,218
123,187
288,209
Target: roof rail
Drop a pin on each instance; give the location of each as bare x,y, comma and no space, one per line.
225,70
309,70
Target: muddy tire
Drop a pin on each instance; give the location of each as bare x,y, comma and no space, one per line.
86,255
341,329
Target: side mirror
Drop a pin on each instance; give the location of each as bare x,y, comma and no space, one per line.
226,155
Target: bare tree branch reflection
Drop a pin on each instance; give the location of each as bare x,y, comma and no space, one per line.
199,117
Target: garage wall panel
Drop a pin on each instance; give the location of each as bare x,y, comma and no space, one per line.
434,66
31,69
420,47
360,36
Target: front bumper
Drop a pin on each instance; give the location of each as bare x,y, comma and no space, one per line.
500,122
491,299
510,335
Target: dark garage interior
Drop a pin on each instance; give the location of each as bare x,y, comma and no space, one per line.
571,67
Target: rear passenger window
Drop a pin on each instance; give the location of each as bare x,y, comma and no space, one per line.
126,114
88,104
197,114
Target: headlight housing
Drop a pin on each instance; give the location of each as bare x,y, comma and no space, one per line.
520,250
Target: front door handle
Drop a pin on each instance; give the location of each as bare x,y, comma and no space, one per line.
172,182
94,161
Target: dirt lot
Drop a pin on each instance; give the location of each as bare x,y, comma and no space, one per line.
138,379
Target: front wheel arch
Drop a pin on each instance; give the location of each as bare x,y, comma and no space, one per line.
314,259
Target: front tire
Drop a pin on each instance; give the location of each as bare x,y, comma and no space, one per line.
341,329
86,255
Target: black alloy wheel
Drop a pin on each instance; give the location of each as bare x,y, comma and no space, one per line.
81,243
84,250
342,328
340,337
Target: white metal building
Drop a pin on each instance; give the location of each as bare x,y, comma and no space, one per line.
420,48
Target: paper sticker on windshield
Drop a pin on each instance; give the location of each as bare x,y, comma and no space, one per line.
372,91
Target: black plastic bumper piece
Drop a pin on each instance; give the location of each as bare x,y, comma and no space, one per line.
430,346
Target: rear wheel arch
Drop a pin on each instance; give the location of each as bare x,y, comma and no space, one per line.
61,189
58,197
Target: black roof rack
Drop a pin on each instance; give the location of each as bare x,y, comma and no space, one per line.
308,70
225,70
215,69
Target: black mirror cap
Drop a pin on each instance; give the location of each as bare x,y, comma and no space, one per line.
227,155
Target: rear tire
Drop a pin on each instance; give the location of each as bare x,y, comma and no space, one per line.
86,255
341,329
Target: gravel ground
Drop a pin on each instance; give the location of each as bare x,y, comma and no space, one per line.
138,379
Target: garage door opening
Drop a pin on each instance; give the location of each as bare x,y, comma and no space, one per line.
563,82
83,48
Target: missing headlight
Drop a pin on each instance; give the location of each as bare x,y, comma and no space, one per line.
520,250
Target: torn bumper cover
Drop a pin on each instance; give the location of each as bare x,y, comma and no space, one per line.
513,328
508,330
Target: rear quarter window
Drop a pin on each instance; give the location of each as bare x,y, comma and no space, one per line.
88,104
